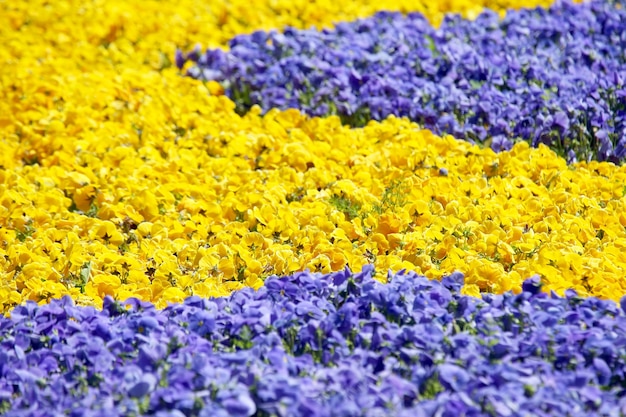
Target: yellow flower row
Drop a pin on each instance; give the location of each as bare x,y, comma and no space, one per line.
143,30
214,202
119,176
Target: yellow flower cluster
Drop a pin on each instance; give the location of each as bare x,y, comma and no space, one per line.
120,176
219,201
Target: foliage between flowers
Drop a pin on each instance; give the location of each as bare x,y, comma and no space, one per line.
341,344
554,77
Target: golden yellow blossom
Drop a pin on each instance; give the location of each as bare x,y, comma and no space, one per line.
120,177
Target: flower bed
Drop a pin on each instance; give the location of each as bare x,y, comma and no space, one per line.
153,236
341,344
554,77
123,178
161,227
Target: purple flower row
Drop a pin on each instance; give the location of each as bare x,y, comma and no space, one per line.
341,344
551,76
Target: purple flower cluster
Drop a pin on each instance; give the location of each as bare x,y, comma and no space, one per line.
552,76
341,344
